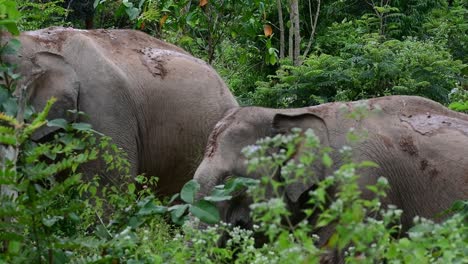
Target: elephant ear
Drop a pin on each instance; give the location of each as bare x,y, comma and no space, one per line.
283,124
55,78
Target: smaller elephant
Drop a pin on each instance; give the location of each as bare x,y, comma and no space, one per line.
420,146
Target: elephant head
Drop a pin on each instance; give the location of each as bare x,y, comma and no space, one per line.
223,159
47,75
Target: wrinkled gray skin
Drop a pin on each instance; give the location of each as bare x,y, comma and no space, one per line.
156,101
420,146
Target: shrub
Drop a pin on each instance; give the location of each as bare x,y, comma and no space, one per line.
363,69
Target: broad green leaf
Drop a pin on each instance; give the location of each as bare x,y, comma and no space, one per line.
178,210
177,213
188,192
82,126
148,207
4,95
238,183
10,107
59,122
205,211
217,197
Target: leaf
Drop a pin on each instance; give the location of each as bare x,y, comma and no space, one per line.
59,122
14,247
96,3
7,139
82,126
369,164
327,161
203,3
217,198
131,188
12,47
187,194
74,217
177,212
148,207
102,232
272,60
51,220
173,198
205,211
151,208
267,30
10,107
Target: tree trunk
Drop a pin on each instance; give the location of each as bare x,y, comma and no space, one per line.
297,36
281,27
291,32
313,24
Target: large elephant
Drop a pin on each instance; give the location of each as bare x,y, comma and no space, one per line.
158,103
420,146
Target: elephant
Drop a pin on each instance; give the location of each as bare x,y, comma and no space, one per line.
157,102
420,146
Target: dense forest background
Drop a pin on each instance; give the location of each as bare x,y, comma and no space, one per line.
297,53
283,53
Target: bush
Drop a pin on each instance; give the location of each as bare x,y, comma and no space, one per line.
41,14
363,69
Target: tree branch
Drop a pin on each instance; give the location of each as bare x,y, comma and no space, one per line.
313,25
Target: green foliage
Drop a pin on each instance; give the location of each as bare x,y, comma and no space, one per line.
53,213
364,68
238,66
363,231
40,14
448,27
459,100
36,205
9,16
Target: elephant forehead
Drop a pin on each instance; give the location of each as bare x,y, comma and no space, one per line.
428,124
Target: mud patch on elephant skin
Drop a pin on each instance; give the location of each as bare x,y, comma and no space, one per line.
428,124
423,164
433,173
217,130
152,58
407,145
387,141
428,169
